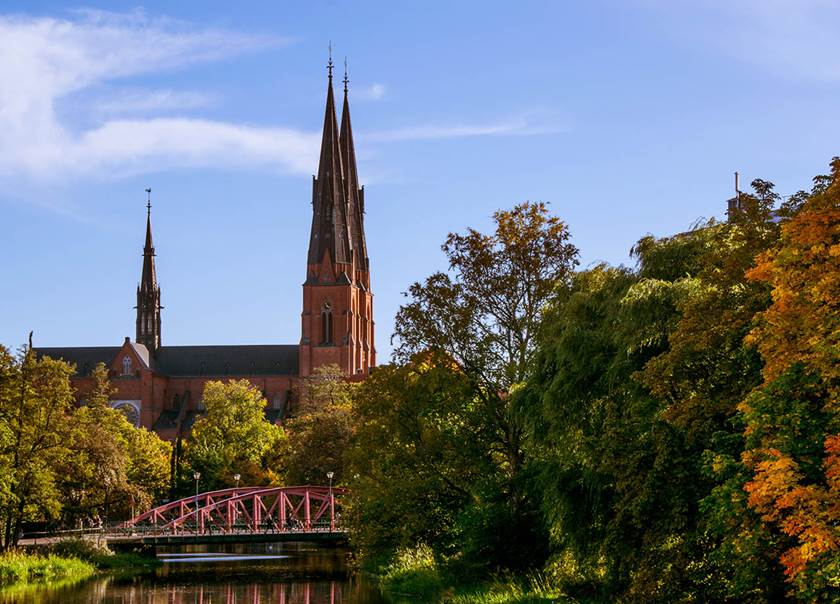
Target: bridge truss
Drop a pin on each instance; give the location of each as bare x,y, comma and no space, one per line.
246,510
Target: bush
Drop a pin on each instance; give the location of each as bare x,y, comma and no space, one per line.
413,571
83,549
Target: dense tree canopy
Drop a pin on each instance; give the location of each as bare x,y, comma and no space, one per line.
675,423
61,464
319,433
232,437
481,319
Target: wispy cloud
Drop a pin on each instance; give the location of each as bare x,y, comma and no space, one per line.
48,59
130,102
373,92
794,39
82,62
516,126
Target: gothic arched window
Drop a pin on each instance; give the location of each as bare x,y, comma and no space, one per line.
126,365
326,324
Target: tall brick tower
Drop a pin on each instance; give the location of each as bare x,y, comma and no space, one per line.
148,292
337,319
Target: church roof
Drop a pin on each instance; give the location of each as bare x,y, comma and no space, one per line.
270,359
210,361
84,357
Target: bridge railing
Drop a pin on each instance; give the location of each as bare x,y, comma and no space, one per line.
254,510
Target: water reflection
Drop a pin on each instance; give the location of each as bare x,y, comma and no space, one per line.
235,574
149,592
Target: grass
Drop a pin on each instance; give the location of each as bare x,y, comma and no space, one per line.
17,567
414,576
412,572
534,590
70,560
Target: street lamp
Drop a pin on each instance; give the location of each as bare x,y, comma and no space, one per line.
236,477
330,475
197,476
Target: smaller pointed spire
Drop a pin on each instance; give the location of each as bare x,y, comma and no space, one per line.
149,247
148,291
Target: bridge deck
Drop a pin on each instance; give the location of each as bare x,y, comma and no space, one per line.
325,537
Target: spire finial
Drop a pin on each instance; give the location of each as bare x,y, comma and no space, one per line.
346,79
330,63
149,201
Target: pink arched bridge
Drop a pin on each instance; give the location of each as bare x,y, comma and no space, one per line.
243,512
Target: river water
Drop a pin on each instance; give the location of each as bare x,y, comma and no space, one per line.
288,573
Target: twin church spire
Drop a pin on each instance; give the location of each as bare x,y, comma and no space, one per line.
337,235
337,320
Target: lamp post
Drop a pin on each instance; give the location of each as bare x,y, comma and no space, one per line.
197,476
236,477
330,475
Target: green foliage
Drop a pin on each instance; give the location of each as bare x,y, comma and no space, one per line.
319,434
232,437
656,482
417,573
534,590
417,448
35,401
61,464
17,567
413,571
90,550
113,469
441,434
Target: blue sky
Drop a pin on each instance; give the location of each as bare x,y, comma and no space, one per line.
627,117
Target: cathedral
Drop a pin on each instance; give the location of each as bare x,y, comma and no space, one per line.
160,387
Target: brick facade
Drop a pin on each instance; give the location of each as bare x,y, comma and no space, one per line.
161,387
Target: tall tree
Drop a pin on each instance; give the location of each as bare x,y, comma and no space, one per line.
35,399
792,423
485,313
478,322
419,450
319,433
113,468
232,437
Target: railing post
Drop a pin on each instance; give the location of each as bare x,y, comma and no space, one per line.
307,518
257,512
282,504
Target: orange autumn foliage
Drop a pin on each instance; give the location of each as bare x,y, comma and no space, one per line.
801,327
806,512
803,323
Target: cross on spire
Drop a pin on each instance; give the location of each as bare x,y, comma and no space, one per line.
330,62
346,79
149,201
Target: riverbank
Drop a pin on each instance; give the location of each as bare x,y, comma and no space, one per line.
68,561
17,568
415,576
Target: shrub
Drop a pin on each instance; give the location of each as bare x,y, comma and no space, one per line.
413,571
83,549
